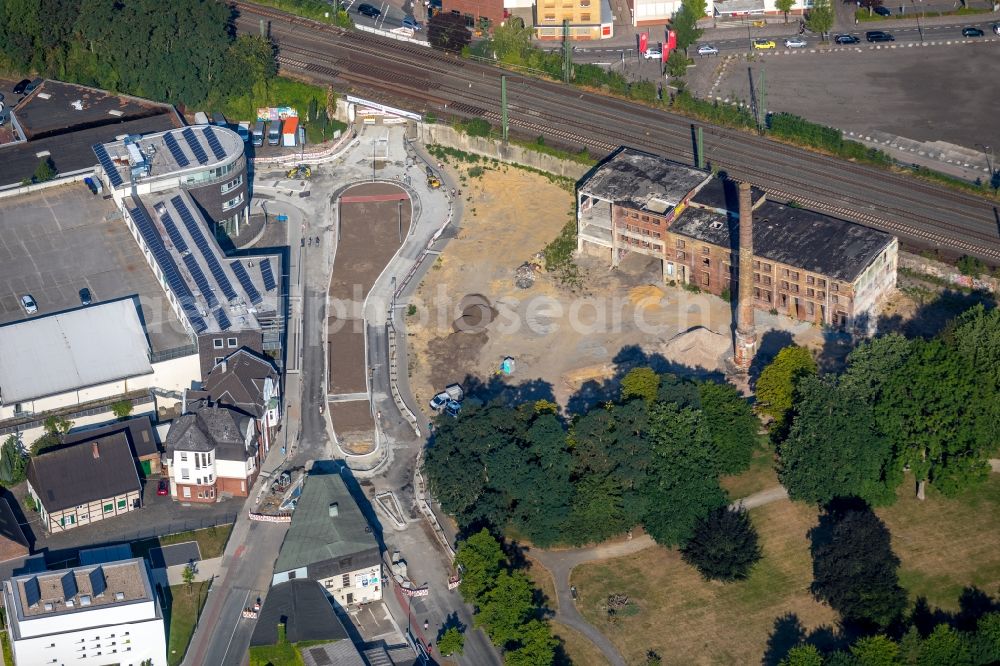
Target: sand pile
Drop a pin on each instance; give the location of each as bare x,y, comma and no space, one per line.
698,347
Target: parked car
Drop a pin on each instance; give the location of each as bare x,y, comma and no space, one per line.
439,401
707,49
795,43
29,304
653,52
30,88
453,408
764,44
879,36
162,488
369,10
972,32
412,24
846,39
85,298
996,28
882,11
20,86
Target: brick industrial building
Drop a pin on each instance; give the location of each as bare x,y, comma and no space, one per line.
807,265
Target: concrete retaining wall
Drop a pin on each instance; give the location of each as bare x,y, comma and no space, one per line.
946,272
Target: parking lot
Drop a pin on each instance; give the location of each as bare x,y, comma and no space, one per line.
60,240
930,93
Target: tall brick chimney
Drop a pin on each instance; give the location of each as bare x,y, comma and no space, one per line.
95,451
745,342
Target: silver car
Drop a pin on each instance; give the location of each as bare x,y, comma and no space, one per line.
707,49
795,43
29,304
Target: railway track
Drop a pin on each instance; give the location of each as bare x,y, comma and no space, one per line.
431,80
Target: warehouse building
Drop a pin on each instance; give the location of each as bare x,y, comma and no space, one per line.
807,265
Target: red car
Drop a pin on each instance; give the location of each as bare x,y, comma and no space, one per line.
163,488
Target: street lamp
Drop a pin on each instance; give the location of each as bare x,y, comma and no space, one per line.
988,152
919,27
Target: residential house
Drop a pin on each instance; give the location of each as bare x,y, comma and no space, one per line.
211,453
139,433
247,382
84,483
14,546
90,615
331,542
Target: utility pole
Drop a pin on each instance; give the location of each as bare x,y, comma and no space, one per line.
503,107
263,33
763,101
567,52
700,146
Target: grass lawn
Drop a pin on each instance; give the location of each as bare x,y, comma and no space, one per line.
211,541
944,545
578,648
759,476
690,621
183,608
8,651
543,582
947,544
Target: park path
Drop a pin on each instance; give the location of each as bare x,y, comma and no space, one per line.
560,563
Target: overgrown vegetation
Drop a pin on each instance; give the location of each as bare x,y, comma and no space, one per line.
559,255
655,463
800,131
446,153
317,10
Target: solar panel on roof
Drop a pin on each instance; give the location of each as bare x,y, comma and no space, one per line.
32,591
223,320
69,587
175,150
109,167
174,233
213,143
199,279
267,274
170,272
248,285
195,145
98,584
194,229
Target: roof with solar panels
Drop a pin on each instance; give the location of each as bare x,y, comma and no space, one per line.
217,293
170,153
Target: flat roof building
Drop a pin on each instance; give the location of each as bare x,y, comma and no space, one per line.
807,265
90,615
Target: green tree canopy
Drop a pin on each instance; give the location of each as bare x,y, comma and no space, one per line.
784,6
724,546
834,448
777,382
879,650
854,568
451,642
641,383
481,560
13,461
803,655
730,425
504,609
820,17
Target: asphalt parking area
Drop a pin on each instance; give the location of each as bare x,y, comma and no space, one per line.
57,241
930,93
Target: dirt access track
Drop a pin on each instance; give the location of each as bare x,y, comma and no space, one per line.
372,220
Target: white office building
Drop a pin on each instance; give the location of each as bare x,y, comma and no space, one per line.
88,616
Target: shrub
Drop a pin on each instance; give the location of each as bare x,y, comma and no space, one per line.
724,546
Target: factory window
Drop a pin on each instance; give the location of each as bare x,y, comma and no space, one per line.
584,3
756,277
645,218
834,286
550,17
706,263
784,272
810,308
784,300
811,293
585,18
836,299
767,268
634,215
345,580
756,293
784,284
680,255
810,279
795,275
767,280
767,296
821,283
705,250
795,288
820,294
704,279
680,244
756,265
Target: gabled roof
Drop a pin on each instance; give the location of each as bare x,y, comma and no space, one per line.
84,473
304,608
139,431
317,537
71,350
210,429
238,382
13,543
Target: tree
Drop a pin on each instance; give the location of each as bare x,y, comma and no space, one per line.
870,5
784,6
677,64
13,461
451,642
447,31
854,568
511,41
481,560
820,18
45,171
188,576
55,428
724,546
944,645
776,385
122,409
537,646
641,383
877,650
504,609
985,645
803,655
685,25
834,448
730,425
